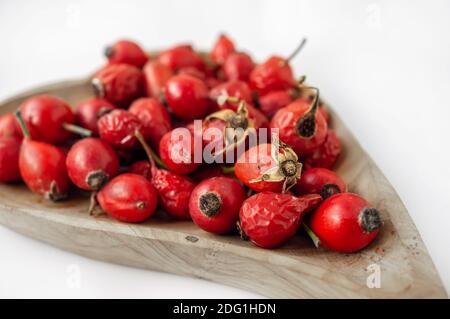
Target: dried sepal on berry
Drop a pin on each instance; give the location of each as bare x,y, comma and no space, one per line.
287,169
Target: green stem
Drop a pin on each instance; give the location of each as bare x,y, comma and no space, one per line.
311,235
77,129
22,124
150,154
228,169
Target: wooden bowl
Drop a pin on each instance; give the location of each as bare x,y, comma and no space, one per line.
395,265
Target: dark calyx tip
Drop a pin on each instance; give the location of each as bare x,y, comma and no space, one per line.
109,51
306,126
96,179
209,204
288,168
370,219
242,234
239,121
329,190
54,194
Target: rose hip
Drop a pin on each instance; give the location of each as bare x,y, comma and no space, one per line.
236,89
49,119
345,223
214,204
90,163
320,181
128,198
301,126
181,56
127,52
238,66
270,219
222,49
9,159
273,101
269,167
88,112
118,128
154,118
9,126
42,166
326,154
120,84
187,97
176,150
156,75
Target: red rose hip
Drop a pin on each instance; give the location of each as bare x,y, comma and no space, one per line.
90,163
127,52
156,75
238,66
270,219
222,49
326,154
9,159
88,112
128,198
9,126
345,223
320,181
214,204
187,97
118,128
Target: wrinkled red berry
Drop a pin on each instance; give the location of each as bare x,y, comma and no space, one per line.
118,128
222,49
154,118
270,219
120,84
327,153
273,101
274,74
156,75
238,66
181,56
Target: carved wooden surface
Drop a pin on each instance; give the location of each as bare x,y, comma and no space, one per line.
295,270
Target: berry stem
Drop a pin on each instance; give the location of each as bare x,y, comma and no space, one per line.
311,235
296,51
84,132
228,169
150,153
22,124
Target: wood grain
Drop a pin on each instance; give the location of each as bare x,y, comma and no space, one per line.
296,270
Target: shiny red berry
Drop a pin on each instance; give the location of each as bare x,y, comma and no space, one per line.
46,118
9,159
91,162
222,49
214,204
176,150
345,223
156,75
118,128
270,219
237,89
127,52
187,97
9,126
88,112
128,198
154,118
238,66
326,154
320,181
120,84
181,56
301,126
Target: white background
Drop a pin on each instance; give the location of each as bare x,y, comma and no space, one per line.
383,65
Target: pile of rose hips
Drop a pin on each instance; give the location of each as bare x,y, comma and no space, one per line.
131,161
